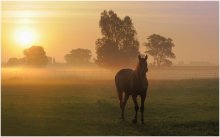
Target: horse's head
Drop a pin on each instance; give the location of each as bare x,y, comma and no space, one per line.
142,65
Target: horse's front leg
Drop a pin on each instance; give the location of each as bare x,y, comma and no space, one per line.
134,97
143,97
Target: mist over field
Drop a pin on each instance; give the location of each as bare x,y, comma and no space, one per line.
71,74
56,101
68,100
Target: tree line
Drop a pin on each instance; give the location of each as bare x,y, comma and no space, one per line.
118,47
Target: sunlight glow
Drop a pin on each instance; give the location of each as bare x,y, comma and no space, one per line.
25,37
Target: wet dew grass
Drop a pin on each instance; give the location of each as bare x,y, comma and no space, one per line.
173,107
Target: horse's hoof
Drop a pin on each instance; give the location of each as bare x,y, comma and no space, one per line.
134,121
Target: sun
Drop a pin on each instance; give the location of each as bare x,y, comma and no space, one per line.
25,37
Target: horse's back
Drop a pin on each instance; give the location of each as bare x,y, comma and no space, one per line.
122,79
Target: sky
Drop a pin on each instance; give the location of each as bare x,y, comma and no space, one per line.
62,26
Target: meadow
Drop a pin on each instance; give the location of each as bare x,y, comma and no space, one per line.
91,107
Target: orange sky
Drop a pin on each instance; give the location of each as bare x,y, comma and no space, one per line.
62,26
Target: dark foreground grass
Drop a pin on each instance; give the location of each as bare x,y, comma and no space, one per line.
183,107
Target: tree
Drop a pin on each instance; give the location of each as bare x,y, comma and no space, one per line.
161,49
13,62
78,57
35,56
118,45
16,61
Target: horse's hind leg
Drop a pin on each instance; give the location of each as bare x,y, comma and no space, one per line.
120,97
136,108
123,105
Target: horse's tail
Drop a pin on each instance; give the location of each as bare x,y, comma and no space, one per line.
118,88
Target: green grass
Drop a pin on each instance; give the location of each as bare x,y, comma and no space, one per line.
182,107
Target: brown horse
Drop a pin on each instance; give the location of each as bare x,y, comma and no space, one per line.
134,83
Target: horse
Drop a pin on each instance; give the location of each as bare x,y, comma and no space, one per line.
133,83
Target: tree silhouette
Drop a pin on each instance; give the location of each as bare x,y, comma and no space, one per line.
118,46
13,61
78,57
35,56
161,49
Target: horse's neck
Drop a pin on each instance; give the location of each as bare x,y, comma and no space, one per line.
138,75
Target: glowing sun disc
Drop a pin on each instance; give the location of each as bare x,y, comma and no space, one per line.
25,37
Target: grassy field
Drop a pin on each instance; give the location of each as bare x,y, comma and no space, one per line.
178,107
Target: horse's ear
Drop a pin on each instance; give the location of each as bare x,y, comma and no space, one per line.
139,57
146,57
